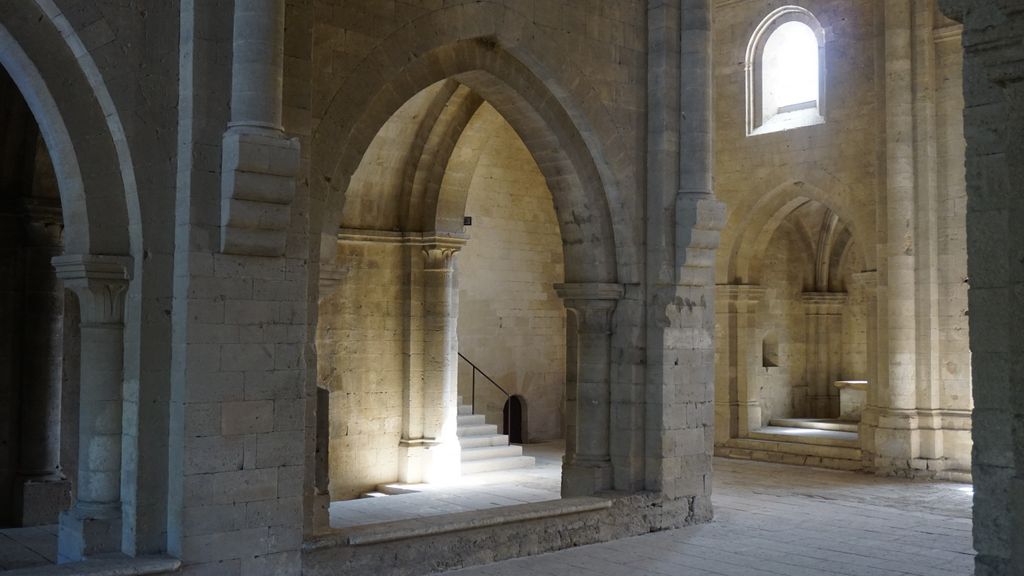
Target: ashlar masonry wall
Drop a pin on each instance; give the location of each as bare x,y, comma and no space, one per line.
511,321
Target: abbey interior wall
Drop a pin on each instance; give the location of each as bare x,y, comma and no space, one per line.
993,120
229,492
511,321
844,165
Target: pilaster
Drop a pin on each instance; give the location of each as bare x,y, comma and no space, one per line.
589,469
93,525
429,449
738,303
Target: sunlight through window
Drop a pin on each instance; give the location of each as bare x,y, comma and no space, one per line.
790,73
785,88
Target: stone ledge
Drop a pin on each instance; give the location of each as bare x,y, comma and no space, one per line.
114,566
442,524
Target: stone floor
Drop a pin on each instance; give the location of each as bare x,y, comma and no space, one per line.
778,520
474,492
771,519
27,547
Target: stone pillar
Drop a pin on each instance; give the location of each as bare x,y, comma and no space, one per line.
590,469
44,490
259,163
93,525
824,351
896,434
737,310
429,450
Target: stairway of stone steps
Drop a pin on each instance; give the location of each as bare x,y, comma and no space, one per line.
821,442
483,449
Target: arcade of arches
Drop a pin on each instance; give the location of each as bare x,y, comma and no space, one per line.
262,258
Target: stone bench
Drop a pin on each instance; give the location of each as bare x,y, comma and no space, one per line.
853,396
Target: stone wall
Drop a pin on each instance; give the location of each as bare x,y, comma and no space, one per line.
882,185
511,322
361,349
993,124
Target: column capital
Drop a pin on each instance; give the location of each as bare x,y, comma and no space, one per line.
439,251
593,304
99,281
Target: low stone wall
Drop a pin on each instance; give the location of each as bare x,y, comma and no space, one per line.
626,516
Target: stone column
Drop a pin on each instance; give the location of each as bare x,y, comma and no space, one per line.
824,351
93,525
738,303
590,468
896,434
259,163
430,451
44,491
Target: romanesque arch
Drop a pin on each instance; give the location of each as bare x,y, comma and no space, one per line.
77,119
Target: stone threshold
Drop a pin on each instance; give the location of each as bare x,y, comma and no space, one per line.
114,566
446,523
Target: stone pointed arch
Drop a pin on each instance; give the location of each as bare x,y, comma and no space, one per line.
560,131
751,224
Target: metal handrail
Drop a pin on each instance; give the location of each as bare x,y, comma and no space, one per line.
472,401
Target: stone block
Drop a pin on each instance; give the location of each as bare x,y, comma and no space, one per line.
253,417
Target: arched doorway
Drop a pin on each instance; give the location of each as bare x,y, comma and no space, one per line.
420,215
514,417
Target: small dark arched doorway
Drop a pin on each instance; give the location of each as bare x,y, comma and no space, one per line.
513,415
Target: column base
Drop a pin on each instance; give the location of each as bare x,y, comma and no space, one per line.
42,501
429,461
88,530
585,478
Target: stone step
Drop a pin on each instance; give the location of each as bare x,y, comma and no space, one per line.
483,440
465,409
807,436
494,464
795,454
478,430
817,424
471,419
487,452
373,494
797,448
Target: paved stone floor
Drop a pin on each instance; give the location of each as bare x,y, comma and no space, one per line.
27,547
778,520
473,492
770,519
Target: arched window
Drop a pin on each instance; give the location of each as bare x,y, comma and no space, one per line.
786,72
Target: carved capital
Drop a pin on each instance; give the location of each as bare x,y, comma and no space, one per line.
593,304
100,282
438,257
438,251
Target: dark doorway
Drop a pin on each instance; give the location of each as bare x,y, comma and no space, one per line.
512,416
